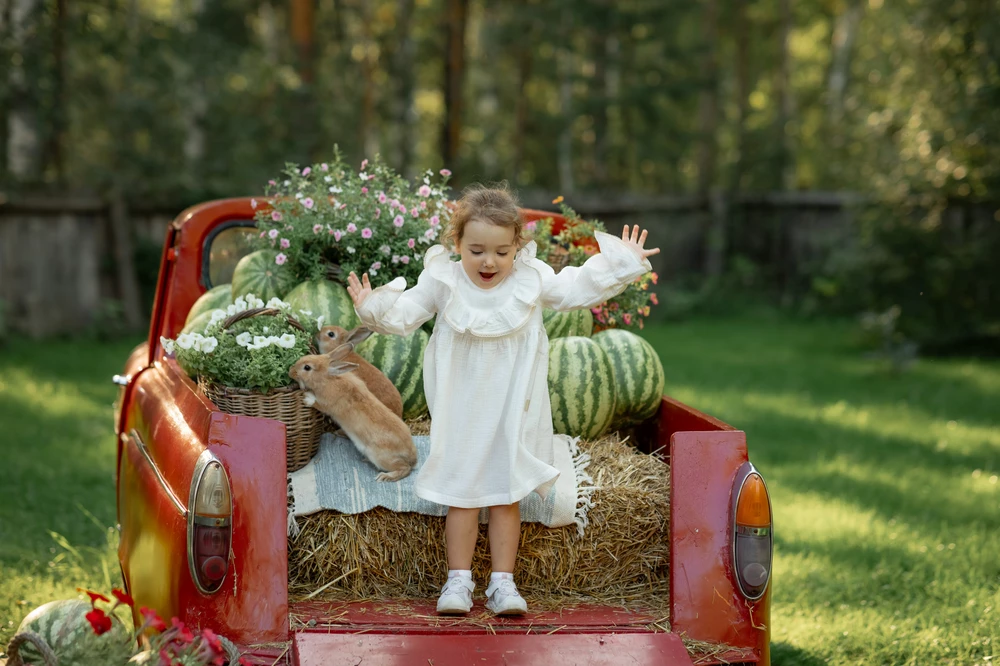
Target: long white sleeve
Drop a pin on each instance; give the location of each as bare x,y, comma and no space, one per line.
391,310
601,277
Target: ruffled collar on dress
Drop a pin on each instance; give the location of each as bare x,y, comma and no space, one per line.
494,321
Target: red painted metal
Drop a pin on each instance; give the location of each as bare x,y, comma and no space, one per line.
177,423
508,649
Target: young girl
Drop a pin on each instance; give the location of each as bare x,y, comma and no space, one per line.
486,373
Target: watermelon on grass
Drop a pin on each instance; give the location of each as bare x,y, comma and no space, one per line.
566,324
326,298
581,387
638,372
64,627
401,359
213,299
259,274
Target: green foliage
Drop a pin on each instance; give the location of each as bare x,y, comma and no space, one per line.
253,353
329,216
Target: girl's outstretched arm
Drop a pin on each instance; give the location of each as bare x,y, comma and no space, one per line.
603,276
392,309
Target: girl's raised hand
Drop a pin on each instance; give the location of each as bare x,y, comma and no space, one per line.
358,291
638,241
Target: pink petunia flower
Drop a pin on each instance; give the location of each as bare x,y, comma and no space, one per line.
343,206
280,259
317,228
627,318
381,197
395,258
415,212
364,190
398,221
377,265
429,233
272,234
271,183
253,204
262,234
378,213
423,205
530,226
324,166
424,191
337,235
366,233
351,228
308,202
284,243
276,216
404,259
306,171
411,243
445,172
435,220
364,163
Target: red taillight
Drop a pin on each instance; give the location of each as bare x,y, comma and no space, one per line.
752,540
210,513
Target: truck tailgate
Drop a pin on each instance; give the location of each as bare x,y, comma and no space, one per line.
410,632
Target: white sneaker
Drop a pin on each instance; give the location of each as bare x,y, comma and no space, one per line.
456,596
504,599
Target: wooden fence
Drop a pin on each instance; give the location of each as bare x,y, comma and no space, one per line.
61,262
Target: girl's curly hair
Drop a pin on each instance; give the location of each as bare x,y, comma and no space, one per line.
496,204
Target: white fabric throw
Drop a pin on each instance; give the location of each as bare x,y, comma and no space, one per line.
340,479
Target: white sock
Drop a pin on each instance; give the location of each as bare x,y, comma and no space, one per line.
497,576
460,573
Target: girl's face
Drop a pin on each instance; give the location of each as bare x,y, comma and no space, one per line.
487,253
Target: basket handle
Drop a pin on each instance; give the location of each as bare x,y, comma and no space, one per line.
253,312
14,648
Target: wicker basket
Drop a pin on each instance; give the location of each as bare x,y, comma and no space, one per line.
558,257
303,425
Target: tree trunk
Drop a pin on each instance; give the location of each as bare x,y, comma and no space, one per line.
708,102
195,103
454,73
566,71
742,66
367,131
844,33
303,20
402,60
53,154
786,102
23,144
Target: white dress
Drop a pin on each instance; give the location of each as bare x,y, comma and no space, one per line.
486,365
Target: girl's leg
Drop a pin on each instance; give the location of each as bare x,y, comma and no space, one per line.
505,534
461,527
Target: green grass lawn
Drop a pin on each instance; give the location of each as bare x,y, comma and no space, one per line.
885,490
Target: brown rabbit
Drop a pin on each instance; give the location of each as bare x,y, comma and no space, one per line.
381,436
331,337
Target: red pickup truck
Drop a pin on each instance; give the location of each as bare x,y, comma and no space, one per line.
228,570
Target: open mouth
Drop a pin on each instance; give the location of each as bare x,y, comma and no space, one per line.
487,277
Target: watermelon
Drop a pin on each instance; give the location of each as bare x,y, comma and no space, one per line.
326,298
581,387
259,274
638,374
199,323
213,299
401,359
566,324
64,626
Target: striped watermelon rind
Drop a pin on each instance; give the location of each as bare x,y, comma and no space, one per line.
581,387
259,274
199,323
567,324
401,359
63,625
323,298
638,372
213,299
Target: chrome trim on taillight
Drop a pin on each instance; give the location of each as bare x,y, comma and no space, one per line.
133,434
744,473
201,466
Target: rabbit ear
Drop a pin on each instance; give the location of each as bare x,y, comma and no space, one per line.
359,335
340,368
341,351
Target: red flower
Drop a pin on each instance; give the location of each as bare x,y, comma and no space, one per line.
655,278
653,298
165,659
100,622
245,662
212,639
122,597
153,619
184,634
94,596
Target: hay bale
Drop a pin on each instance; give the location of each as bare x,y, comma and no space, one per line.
622,558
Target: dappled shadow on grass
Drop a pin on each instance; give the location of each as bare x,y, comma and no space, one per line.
784,654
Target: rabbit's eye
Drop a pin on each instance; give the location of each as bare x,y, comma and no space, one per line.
307,367
331,334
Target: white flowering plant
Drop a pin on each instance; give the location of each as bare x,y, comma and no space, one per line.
255,352
328,219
